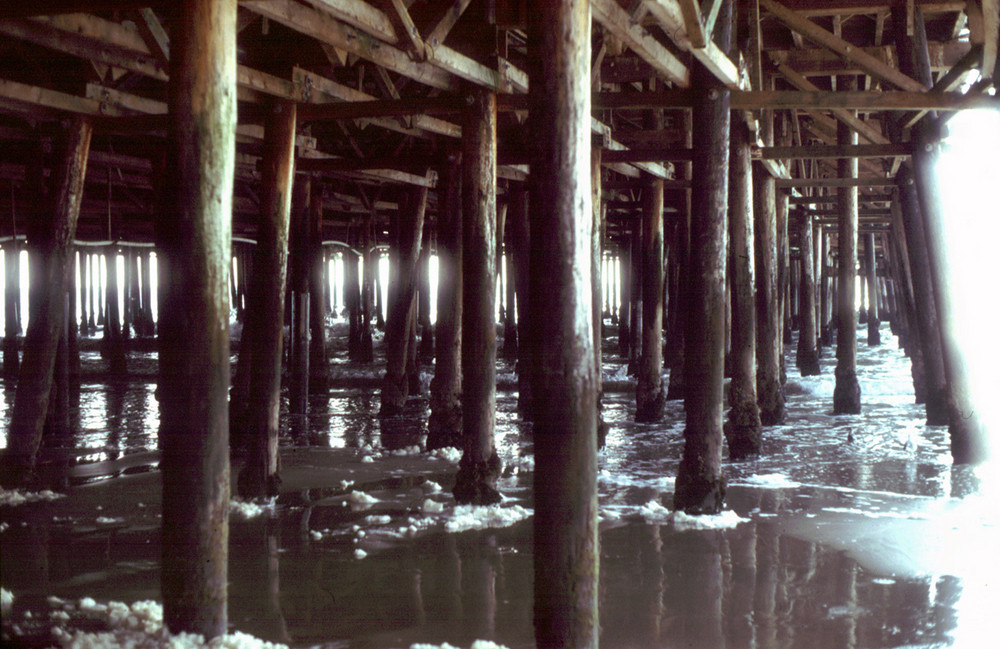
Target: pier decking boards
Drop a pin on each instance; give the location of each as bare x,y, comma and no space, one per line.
720,161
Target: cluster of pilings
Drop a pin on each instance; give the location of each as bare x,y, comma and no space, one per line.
715,279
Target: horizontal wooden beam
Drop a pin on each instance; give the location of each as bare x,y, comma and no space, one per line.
832,152
802,99
835,182
844,8
671,16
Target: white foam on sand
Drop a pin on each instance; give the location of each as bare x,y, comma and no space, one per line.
249,509
139,626
478,517
13,497
770,481
478,644
360,500
654,512
448,453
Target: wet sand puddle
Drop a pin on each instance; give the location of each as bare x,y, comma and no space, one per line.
850,531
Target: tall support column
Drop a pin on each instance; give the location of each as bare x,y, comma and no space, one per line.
847,391
113,344
769,338
517,226
72,323
969,437
743,425
319,286
444,426
426,352
625,305
649,393
925,307
510,326
873,291
12,304
46,325
352,303
298,285
784,277
596,280
700,487
480,466
395,385
681,253
566,540
194,318
84,291
254,414
807,358
826,290
366,352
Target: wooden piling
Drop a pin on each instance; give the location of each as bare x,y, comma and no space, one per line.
874,338
742,427
566,544
649,393
826,290
770,396
423,321
517,226
625,307
480,466
444,426
410,224
113,343
254,414
598,208
46,324
847,391
700,487
12,305
969,436
195,243
298,287
806,355
319,364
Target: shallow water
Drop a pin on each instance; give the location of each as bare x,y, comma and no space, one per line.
849,531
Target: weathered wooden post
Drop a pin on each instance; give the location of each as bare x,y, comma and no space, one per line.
426,351
649,393
826,290
784,273
873,293
254,413
806,356
298,286
847,391
12,303
319,365
369,286
352,302
700,487
925,307
72,323
680,258
113,344
566,541
46,324
625,307
598,208
480,466
84,291
194,318
770,396
743,424
410,223
444,425
510,338
517,226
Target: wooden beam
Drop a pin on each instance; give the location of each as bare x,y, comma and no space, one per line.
952,79
670,15
361,15
814,32
325,28
831,152
847,8
991,36
442,28
864,129
835,182
414,42
617,21
861,100
153,33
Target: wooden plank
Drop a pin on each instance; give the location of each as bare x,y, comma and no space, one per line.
617,21
325,28
76,45
360,14
670,15
846,8
442,28
823,37
153,33
835,182
315,88
24,94
691,13
864,130
861,100
831,152
414,42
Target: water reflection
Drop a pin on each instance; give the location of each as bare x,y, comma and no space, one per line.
858,531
